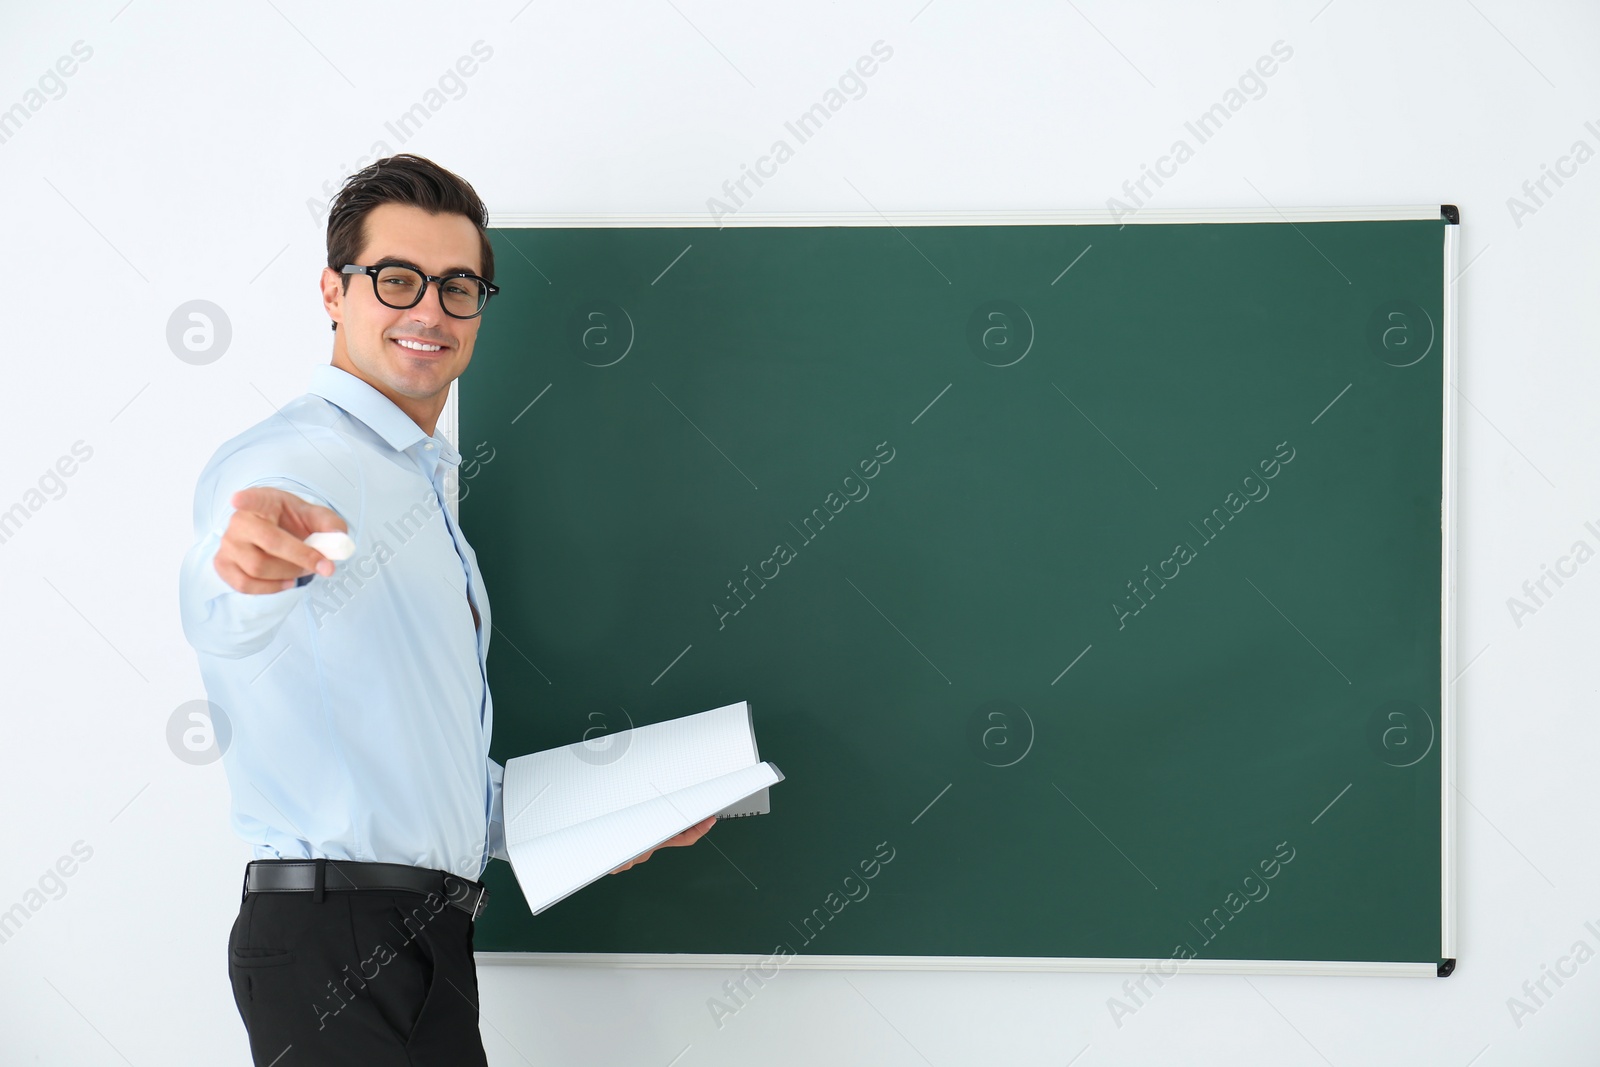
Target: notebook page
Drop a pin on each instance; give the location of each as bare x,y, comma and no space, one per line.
553,866
566,786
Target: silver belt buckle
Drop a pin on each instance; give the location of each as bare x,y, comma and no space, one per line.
478,905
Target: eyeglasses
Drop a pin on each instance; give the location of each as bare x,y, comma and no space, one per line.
463,295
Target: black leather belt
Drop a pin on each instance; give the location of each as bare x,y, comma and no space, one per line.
323,875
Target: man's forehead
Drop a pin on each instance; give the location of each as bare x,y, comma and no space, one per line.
440,244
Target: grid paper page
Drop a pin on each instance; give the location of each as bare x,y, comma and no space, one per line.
551,790
550,867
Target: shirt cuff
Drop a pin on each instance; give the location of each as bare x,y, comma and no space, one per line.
497,829
220,620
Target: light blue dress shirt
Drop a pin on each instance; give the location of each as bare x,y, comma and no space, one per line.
358,703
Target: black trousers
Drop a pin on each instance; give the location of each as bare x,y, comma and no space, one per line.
371,977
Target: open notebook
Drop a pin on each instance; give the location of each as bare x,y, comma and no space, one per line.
575,813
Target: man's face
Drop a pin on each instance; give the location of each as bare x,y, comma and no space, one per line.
371,330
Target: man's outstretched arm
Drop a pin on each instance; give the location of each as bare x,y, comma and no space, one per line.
238,585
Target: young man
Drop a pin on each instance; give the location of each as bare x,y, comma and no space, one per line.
357,693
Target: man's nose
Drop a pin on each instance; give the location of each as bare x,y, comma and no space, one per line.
429,309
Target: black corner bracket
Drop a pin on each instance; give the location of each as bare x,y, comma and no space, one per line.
1451,213
1447,968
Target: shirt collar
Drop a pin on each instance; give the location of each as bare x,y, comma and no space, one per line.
377,411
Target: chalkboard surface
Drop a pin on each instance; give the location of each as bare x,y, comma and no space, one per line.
1084,581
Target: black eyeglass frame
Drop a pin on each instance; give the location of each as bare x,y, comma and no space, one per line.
490,289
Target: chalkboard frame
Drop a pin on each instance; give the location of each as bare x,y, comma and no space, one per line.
1449,341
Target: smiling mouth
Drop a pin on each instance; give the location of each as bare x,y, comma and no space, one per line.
418,348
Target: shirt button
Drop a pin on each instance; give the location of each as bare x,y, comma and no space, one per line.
429,446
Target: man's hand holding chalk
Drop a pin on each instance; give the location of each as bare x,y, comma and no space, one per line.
265,548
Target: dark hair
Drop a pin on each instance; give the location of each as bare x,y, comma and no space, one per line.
401,179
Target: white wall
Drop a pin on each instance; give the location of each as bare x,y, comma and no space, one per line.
178,163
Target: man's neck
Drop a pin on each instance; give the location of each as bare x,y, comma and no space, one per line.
425,413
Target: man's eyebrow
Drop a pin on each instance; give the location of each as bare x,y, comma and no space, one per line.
396,261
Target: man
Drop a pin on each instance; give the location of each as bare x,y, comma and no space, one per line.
357,694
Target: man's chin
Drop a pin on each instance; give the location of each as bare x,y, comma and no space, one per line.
417,384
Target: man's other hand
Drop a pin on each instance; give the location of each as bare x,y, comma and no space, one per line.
688,837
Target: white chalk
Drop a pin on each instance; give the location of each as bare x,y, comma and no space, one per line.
333,544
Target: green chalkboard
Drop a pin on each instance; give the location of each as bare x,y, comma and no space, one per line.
1087,582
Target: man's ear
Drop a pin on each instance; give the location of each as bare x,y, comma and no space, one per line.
332,284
